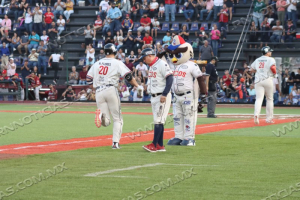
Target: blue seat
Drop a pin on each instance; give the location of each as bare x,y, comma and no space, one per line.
136,26
175,27
180,9
52,9
159,41
205,25
17,61
165,27
16,25
100,44
44,9
81,61
212,25
194,26
6,10
187,25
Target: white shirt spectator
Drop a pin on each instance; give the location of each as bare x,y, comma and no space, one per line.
11,69
90,55
38,18
59,7
218,2
291,6
61,21
252,92
119,39
104,5
153,5
45,38
28,18
55,57
139,90
143,68
121,57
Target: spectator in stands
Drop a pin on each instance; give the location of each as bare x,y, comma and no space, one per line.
229,5
265,28
90,55
88,35
45,37
51,93
34,40
138,41
97,26
58,9
145,23
5,26
125,7
189,11
253,36
276,91
48,18
36,71
138,92
209,5
60,25
252,93
155,27
218,5
234,92
55,57
69,10
4,52
109,38
201,36
290,33
127,24
142,68
42,59
148,41
122,88
144,9
215,37
277,32
101,55
82,76
11,67
184,33
206,52
103,8
69,93
52,32
73,76
120,55
25,70
292,11
13,9
153,9
227,78
28,23
15,41
118,40
35,84
223,21
242,91
114,14
106,27
258,12
135,9
297,77
38,20
270,13
33,58
129,64
131,57
82,95
170,7
294,95
167,39
281,6
161,11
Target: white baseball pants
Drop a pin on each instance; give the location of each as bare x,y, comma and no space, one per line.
160,110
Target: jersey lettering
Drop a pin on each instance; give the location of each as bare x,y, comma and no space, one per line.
179,73
103,70
261,65
152,74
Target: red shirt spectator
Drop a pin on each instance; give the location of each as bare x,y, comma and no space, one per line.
145,21
49,17
52,94
4,75
223,17
169,1
98,22
34,80
227,78
128,64
148,39
83,73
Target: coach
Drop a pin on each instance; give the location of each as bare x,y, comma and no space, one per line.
211,80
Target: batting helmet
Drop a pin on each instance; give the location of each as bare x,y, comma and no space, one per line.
110,49
266,49
146,52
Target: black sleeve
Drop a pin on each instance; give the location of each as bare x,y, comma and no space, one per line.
169,81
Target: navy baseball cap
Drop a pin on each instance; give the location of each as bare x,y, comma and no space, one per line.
146,52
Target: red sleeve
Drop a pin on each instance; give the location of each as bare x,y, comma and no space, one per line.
47,92
123,22
37,81
148,20
144,39
131,22
142,21
224,77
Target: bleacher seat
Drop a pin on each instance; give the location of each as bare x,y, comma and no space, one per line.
44,9
175,27
187,26
205,25
212,25
136,26
6,10
194,26
81,61
100,44
165,27
52,9
180,9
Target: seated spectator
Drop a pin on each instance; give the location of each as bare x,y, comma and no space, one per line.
118,40
202,35
73,76
120,55
28,23
91,93
97,26
242,91
145,23
114,14
33,58
140,76
69,10
189,10
5,25
88,35
277,32
294,95
82,95
109,38
101,55
234,92
131,57
265,28
51,93
103,8
127,24
106,27
60,25
129,64
15,42
11,67
167,39
36,84
155,27
209,4
153,8
290,33
148,41
58,9
161,11
223,21
184,33
38,20
48,18
138,41
36,72
159,48
128,42
4,53
45,38
34,40
253,37
69,94
82,75
25,70
90,55
143,68
252,93
42,59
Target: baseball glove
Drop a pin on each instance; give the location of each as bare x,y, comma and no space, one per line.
200,107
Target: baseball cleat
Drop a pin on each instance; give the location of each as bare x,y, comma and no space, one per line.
256,121
150,147
116,145
160,148
188,142
270,121
98,118
174,141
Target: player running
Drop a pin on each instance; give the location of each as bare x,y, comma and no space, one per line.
159,84
264,68
105,75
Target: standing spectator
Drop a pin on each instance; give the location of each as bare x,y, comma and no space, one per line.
184,33
206,52
52,32
229,5
97,26
90,55
13,9
128,42
138,41
103,8
4,53
55,57
38,20
148,41
11,67
153,8
36,84
60,25
82,76
218,5
49,16
44,3
24,42
215,36
258,11
189,11
242,91
127,24
5,25
281,6
125,7
34,40
155,27
42,60
120,55
167,39
15,41
292,11
145,23
58,9
88,35
118,40
223,21
227,78
33,58
114,14
106,27
134,10
69,10
25,70
36,72
73,76
290,33
253,37
209,5
161,11
28,20
170,7
144,8
265,28
202,36
277,32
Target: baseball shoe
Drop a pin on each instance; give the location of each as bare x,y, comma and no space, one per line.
116,145
188,142
98,118
270,121
150,147
174,141
256,121
160,148
212,116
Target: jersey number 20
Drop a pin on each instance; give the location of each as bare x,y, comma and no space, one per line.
103,70
261,65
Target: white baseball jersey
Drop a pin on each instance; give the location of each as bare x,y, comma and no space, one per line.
262,66
157,76
107,71
184,75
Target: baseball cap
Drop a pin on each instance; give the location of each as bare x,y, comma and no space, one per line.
127,15
130,30
202,28
11,58
177,41
4,72
242,80
16,74
33,49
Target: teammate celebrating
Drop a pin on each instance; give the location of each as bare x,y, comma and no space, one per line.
105,75
264,68
159,84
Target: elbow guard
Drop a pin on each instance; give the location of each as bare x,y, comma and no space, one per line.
128,77
273,69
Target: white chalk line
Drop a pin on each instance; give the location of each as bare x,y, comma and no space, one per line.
122,176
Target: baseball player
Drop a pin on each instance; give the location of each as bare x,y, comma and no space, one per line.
105,75
264,68
159,84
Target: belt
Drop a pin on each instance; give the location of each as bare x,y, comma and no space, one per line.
105,85
155,95
181,94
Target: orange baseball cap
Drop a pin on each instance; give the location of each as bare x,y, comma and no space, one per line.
242,80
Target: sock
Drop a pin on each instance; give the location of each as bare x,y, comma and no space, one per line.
161,138
157,133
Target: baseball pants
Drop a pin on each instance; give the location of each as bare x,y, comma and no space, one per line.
262,88
211,103
160,110
108,101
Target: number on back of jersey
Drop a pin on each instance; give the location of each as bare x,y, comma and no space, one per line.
103,70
